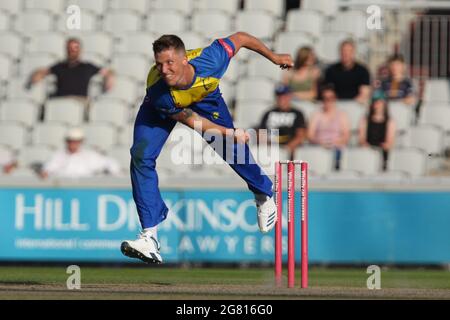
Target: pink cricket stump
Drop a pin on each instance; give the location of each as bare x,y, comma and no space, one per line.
278,226
304,224
291,224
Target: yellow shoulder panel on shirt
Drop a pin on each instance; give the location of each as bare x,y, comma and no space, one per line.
199,90
192,54
153,76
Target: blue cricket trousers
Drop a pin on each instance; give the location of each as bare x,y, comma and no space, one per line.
151,131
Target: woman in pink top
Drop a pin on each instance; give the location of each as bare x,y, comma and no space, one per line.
329,127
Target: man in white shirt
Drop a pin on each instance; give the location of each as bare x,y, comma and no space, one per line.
7,161
77,162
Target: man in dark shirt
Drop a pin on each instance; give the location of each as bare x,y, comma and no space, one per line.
350,79
73,75
290,122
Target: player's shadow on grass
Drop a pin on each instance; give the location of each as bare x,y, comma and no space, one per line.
13,282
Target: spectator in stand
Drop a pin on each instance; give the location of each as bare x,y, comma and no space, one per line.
397,86
351,80
73,75
303,79
7,161
378,129
330,127
76,162
290,122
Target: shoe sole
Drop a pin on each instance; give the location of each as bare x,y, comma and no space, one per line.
130,252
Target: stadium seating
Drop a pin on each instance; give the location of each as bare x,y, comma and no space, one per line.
134,66
125,136
33,21
390,176
137,42
11,6
248,114
436,115
402,115
17,88
100,136
306,107
265,157
229,6
216,20
34,156
260,67
64,110
34,61
290,42
52,6
427,138
139,6
274,7
13,136
310,22
260,24
122,21
165,22
228,92
354,112
193,40
5,21
321,160
363,160
328,46
232,73
53,43
21,111
351,22
90,23
98,42
97,7
255,89
410,160
6,68
109,111
122,155
49,134
326,7
184,6
11,44
125,89
436,91
26,173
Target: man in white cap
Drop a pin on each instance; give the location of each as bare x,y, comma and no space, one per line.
77,162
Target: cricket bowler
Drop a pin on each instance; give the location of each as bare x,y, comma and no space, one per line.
183,86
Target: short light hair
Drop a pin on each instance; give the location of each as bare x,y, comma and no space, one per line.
168,41
349,42
73,39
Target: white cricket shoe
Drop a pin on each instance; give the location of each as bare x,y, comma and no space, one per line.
146,248
267,213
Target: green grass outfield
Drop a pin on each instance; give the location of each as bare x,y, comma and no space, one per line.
218,283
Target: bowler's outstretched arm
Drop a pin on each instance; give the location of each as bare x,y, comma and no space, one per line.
245,40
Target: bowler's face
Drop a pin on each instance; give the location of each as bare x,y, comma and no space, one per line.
170,64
